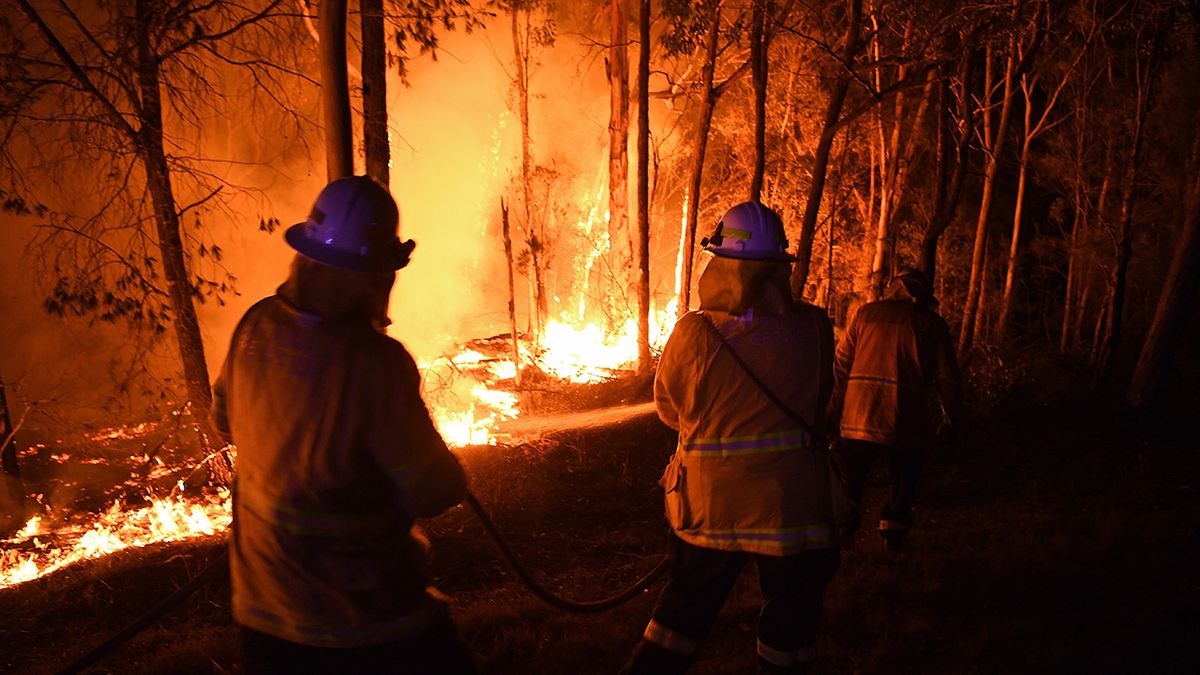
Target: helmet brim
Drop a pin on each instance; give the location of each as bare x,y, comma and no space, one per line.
751,255
391,259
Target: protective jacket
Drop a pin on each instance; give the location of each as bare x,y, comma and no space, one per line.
745,477
896,373
337,455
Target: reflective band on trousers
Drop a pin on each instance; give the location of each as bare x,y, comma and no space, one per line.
892,525
784,659
670,640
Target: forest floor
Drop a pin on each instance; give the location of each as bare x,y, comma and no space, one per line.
1053,539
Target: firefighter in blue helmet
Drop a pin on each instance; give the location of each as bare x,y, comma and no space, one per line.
896,392
747,481
337,456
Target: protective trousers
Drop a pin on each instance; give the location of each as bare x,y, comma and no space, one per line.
792,588
904,468
438,651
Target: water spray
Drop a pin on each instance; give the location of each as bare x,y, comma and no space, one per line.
599,418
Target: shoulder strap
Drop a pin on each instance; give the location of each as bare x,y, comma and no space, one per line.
792,414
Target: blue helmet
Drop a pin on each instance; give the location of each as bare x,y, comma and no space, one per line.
749,231
353,226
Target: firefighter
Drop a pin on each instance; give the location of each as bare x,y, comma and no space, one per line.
747,481
337,455
896,387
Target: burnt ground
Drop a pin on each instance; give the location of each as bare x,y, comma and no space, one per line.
1051,540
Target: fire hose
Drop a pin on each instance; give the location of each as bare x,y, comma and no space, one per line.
174,599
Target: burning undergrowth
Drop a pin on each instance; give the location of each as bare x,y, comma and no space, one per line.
130,486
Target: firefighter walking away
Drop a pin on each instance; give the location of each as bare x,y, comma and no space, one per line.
896,392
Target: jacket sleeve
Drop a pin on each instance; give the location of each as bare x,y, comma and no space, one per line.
428,478
842,363
665,388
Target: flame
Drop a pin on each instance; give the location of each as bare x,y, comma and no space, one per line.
174,518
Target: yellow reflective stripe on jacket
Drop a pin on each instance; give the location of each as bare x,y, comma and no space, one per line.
783,538
747,445
312,522
885,380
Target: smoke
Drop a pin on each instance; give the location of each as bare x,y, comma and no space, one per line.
455,150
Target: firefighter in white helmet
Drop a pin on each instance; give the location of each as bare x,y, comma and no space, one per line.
337,456
747,481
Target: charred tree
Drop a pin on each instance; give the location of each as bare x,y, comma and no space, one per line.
335,90
833,111
8,449
512,288
759,49
643,187
374,91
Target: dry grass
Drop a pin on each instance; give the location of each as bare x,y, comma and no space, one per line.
1052,543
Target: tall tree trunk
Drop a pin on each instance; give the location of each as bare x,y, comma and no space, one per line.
335,90
1014,246
1174,303
995,145
1111,342
8,449
539,307
708,103
512,288
618,143
759,66
833,111
949,183
166,220
374,78
643,187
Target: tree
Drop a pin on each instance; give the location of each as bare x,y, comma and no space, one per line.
643,186
1177,298
100,79
833,114
374,91
618,139
759,64
335,90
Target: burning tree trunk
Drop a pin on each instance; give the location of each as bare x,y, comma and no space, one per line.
618,143
758,67
643,187
374,91
12,494
335,90
833,111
